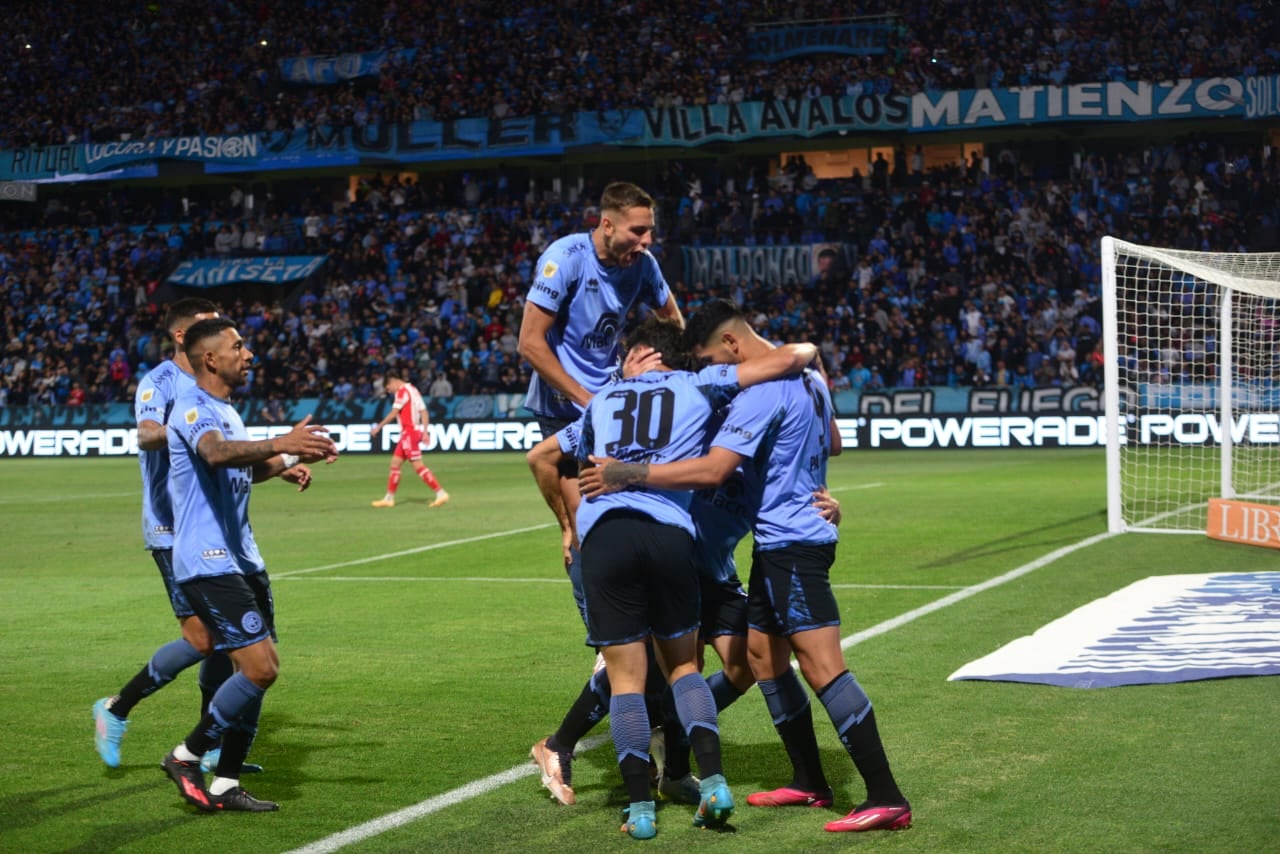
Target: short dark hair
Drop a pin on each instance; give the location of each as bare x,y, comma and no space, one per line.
621,195
706,320
666,337
184,311
200,331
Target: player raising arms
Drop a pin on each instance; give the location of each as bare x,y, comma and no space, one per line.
407,406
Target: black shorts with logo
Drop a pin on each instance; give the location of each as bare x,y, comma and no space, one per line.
237,609
790,589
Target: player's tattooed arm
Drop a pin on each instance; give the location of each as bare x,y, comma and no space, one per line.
622,475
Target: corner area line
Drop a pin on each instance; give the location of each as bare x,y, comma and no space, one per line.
369,829
389,555
391,821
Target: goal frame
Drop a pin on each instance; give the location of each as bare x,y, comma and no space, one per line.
1230,284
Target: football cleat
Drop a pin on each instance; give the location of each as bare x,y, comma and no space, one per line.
685,790
717,802
442,498
557,769
866,817
384,502
108,731
209,763
189,780
789,797
639,821
238,800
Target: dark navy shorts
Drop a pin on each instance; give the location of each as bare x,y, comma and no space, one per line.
639,579
724,608
237,609
177,599
790,589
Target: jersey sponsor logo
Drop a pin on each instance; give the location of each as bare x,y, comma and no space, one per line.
251,622
162,529
604,335
739,431
549,269
191,415
551,292
213,554
147,394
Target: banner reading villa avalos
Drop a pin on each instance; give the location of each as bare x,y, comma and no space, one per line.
562,133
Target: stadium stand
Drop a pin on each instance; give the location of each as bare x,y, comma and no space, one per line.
975,274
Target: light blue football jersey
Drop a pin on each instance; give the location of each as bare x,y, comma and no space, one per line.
722,516
590,302
783,428
210,505
157,390
658,417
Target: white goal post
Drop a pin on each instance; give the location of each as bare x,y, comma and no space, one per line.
1191,342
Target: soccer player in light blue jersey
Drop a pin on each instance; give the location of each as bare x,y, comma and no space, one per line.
583,289
215,557
638,576
584,286
780,435
155,395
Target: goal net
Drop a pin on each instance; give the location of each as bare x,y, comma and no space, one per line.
1192,367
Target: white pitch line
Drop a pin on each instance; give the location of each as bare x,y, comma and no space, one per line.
419,550
859,486
434,578
369,829
474,789
489,579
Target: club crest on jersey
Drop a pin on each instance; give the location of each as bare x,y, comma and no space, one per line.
191,415
148,394
549,269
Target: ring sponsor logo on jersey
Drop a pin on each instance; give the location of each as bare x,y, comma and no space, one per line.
605,333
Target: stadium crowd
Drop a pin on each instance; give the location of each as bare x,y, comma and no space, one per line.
972,274
959,276
184,67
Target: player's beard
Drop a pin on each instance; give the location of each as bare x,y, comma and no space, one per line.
624,258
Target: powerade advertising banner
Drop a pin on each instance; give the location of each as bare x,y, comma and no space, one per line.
392,145
923,432
212,272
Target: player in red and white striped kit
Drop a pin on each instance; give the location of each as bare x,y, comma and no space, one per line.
411,411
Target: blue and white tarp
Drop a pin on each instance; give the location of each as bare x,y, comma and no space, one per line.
1171,628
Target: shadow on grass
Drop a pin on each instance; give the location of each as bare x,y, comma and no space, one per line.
1018,540
289,761
29,809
